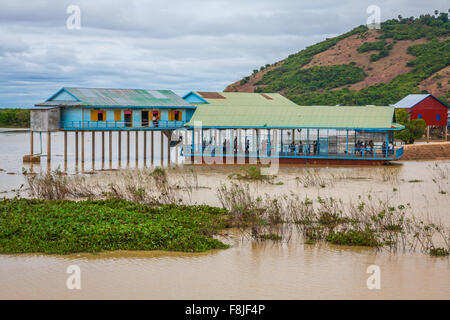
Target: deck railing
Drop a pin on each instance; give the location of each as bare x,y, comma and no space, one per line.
376,153
119,125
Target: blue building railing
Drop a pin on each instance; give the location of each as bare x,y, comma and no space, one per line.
376,153
119,125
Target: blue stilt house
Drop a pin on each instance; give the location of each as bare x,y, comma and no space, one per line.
119,109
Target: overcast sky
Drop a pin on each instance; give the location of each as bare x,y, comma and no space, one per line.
181,45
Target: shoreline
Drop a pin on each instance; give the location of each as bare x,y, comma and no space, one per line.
426,151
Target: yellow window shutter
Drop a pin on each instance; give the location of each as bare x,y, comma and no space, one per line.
94,115
117,115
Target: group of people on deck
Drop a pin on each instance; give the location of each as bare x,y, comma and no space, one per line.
366,147
362,148
298,148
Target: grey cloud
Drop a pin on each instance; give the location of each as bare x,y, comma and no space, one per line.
177,44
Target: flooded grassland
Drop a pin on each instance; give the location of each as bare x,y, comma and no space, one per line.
287,268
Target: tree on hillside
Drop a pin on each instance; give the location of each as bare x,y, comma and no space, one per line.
414,129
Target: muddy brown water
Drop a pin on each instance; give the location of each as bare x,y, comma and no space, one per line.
248,270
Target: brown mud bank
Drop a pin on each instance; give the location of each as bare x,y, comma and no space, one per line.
427,151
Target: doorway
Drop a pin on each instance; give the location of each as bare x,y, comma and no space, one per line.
128,119
144,118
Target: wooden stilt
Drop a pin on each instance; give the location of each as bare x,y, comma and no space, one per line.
162,149
128,147
428,134
103,149
82,147
145,148
32,143
93,150
110,149
49,146
152,148
168,147
137,148
76,148
119,144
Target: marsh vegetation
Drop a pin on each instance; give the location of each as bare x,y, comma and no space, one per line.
64,226
369,220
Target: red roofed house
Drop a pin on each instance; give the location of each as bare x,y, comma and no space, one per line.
428,108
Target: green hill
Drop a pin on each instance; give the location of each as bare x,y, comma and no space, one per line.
363,66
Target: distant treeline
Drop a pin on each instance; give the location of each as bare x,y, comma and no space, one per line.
14,118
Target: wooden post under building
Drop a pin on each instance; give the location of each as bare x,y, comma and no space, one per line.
110,149
93,150
31,143
145,148
152,148
82,147
103,149
162,149
137,148
76,148
168,147
49,146
65,147
128,147
119,146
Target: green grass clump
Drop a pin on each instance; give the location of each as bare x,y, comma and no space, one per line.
353,238
439,252
250,173
62,226
270,236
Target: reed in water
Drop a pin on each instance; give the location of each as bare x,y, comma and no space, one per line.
365,221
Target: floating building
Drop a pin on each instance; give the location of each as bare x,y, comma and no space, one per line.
268,125
224,126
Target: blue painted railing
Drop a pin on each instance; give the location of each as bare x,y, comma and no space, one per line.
119,125
376,153
399,152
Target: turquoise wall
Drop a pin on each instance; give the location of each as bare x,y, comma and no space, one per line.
71,114
79,114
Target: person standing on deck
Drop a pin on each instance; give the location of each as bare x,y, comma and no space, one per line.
391,147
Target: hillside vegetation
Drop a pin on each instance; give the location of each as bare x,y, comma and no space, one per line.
406,55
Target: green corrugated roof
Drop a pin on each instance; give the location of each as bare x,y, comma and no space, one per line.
248,110
126,97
